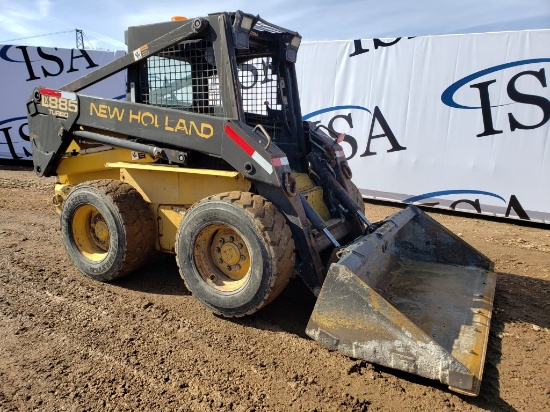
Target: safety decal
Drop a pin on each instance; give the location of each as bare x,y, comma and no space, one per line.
280,161
140,53
137,155
59,94
249,150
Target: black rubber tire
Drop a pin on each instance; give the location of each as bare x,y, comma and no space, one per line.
356,195
268,241
127,218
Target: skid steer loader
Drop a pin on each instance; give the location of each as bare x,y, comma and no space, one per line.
208,158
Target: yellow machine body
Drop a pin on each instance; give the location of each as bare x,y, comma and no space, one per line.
169,190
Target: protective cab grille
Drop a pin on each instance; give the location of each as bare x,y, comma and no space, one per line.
261,99
185,77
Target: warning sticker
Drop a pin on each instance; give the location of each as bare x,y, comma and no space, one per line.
137,155
140,53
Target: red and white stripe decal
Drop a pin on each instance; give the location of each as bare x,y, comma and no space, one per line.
280,161
56,93
249,150
340,139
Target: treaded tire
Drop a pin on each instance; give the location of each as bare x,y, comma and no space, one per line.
123,220
252,227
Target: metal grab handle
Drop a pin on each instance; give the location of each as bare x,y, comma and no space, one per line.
268,137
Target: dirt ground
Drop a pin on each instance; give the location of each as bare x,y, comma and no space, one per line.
144,343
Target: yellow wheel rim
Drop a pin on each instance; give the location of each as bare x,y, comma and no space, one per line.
90,233
222,257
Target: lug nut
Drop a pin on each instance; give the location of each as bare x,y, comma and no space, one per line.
237,267
220,261
240,246
231,238
221,241
228,268
218,250
243,258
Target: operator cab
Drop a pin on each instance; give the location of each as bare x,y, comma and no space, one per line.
250,77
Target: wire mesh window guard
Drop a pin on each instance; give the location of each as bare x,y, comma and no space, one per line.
183,77
261,100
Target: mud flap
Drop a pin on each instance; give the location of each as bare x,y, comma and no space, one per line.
410,296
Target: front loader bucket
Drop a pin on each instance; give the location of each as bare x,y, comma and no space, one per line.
410,296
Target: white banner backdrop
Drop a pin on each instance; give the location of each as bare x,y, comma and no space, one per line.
460,122
22,68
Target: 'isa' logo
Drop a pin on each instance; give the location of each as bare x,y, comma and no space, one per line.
488,88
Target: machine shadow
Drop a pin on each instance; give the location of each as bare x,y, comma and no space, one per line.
289,313
159,276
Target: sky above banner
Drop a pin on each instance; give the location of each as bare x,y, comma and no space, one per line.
52,23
